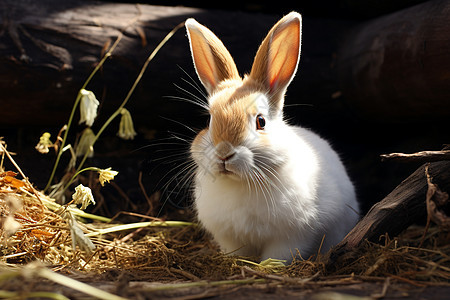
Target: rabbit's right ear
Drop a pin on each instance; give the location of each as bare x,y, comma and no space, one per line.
212,60
277,58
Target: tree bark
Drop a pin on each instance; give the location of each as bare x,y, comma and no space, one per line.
404,206
48,48
396,67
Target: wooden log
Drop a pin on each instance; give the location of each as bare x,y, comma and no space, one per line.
393,68
418,156
396,67
48,48
404,206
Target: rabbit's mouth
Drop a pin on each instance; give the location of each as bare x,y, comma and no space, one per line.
222,169
226,172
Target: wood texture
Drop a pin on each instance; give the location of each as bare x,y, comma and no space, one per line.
48,48
396,67
393,68
418,156
405,205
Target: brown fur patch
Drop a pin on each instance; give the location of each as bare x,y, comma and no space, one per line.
228,122
199,139
230,109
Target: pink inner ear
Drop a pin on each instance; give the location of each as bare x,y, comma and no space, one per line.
212,60
203,60
283,55
273,81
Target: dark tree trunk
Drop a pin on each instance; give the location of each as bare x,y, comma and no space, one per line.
396,67
48,48
404,206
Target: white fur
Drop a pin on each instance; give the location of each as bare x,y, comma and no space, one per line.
310,197
271,191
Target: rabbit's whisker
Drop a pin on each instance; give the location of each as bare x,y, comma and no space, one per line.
187,100
194,84
186,173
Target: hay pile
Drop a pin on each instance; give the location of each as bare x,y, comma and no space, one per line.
176,257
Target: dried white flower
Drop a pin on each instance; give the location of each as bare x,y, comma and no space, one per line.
88,107
79,238
83,195
126,128
85,143
44,143
106,175
9,224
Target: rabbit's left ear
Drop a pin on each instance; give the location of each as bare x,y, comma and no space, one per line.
212,60
277,58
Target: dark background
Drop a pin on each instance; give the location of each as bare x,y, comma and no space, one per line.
338,9
159,156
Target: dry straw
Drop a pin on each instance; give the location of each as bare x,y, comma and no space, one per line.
178,256
173,256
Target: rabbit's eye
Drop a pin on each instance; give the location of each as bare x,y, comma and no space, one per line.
260,122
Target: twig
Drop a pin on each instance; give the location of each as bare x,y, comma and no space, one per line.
131,235
418,156
383,292
150,203
412,282
285,279
15,255
427,226
176,286
30,186
124,195
184,273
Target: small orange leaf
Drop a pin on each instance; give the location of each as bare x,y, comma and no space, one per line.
9,173
16,183
38,233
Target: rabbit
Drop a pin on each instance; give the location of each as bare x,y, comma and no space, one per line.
264,188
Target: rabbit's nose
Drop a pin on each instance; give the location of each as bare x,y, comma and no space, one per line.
228,157
225,151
